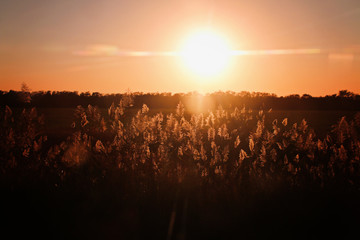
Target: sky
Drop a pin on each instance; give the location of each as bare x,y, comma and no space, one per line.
113,46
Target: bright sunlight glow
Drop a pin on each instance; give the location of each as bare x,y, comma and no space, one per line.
206,53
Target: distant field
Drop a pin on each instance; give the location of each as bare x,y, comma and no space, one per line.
320,121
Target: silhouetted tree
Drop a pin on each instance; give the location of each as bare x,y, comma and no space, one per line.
25,95
345,93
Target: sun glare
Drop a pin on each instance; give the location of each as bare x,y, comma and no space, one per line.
206,53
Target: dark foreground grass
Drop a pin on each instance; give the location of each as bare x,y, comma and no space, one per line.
228,174
106,212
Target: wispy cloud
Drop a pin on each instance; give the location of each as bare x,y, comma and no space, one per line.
105,50
276,52
98,50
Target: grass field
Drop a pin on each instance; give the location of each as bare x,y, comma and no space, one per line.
59,120
138,174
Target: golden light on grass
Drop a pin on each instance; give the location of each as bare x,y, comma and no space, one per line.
205,53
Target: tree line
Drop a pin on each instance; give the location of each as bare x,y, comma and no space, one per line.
343,100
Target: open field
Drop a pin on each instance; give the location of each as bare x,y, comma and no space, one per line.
135,173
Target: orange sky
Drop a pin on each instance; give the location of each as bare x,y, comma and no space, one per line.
70,45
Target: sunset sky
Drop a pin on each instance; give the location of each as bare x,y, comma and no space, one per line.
282,47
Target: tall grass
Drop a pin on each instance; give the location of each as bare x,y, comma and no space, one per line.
228,150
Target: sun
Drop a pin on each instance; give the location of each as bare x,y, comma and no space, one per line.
206,53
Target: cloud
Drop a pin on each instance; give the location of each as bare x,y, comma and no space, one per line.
98,50
106,50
